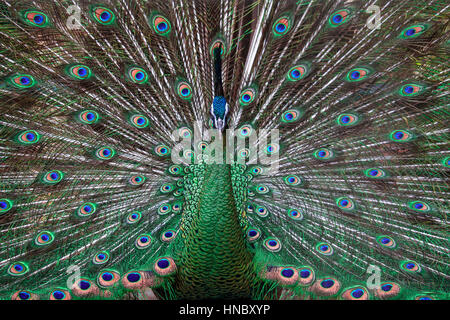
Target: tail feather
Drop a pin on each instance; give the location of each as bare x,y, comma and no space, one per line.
87,129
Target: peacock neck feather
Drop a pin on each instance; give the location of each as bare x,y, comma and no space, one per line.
215,261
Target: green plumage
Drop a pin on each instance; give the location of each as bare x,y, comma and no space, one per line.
108,188
215,260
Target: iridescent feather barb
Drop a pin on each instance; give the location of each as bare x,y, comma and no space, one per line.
89,103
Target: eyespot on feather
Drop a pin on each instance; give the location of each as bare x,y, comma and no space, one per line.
5,206
387,290
102,15
356,293
339,17
18,269
24,295
161,25
281,26
326,286
414,31
22,81
28,137
143,241
35,18
164,266
107,278
60,294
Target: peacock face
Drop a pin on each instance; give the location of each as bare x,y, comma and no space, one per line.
219,111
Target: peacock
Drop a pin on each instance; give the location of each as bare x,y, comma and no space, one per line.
233,149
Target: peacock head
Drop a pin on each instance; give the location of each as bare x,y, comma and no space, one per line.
219,111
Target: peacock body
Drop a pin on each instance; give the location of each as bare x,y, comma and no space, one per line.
338,184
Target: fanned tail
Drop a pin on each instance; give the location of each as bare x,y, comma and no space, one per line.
92,110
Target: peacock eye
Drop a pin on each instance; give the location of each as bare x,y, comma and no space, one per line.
5,205
59,294
218,43
168,235
289,275
272,244
137,75
293,180
419,206
297,72
84,284
345,203
356,293
175,170
35,18
23,295
88,117
324,248
28,137
176,207
245,131
161,25
262,189
386,241
339,17
107,278
323,154
401,136
281,26
410,266
101,257
143,241
164,209
422,297
164,266
243,153
261,211
413,31
256,171
44,238
291,116
177,193
184,90
133,217
446,162
103,15
188,154
295,214
80,72
185,133
105,153
53,177
272,148
202,145
375,173
23,81
253,234
357,74
306,275
139,121
162,150
136,180
166,188
347,119
411,90
247,96
86,210
18,269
